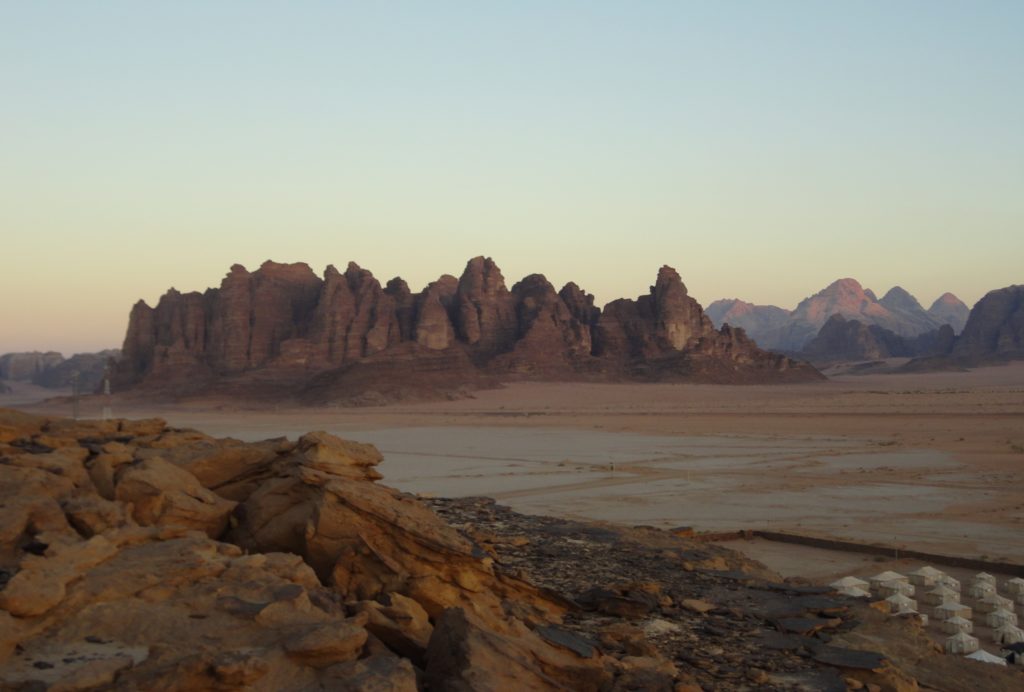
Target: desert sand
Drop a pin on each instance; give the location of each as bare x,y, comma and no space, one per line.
924,461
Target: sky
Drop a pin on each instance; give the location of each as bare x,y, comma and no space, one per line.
763,149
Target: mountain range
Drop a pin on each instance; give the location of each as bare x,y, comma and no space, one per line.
282,331
52,370
899,312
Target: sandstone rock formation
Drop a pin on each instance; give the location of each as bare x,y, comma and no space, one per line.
995,328
218,565
345,339
994,333
842,340
948,309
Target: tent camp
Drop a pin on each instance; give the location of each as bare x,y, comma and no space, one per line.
926,576
1000,617
957,624
848,582
951,608
939,595
986,657
962,643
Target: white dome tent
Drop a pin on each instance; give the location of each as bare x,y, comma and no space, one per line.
957,624
950,609
1000,617
886,577
962,643
1008,634
979,589
939,595
898,602
926,576
891,588
993,601
985,657
849,582
1015,586
854,592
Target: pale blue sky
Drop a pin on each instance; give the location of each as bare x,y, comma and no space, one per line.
764,149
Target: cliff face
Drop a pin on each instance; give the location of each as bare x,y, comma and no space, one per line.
995,328
292,326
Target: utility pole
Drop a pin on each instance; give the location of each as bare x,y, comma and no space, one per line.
107,409
74,395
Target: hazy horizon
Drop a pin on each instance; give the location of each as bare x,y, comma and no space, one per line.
764,151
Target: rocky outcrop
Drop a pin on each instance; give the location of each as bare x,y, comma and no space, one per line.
994,333
948,309
218,565
995,328
282,331
485,317
843,340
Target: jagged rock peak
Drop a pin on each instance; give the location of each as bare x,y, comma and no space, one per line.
668,277
898,298
482,275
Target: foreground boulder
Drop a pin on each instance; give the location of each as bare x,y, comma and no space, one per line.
322,579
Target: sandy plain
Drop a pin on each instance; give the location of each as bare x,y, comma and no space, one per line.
925,461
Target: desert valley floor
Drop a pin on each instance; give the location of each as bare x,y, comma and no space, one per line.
922,461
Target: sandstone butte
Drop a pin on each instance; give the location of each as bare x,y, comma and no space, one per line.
345,338
135,556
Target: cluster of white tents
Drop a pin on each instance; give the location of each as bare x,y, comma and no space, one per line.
943,593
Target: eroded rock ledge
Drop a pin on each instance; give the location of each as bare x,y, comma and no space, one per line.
138,556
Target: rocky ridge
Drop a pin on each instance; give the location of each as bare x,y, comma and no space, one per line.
994,333
138,556
52,370
790,331
849,340
281,330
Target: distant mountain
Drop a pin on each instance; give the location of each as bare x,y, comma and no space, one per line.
757,319
843,340
775,329
995,327
948,309
52,370
22,367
